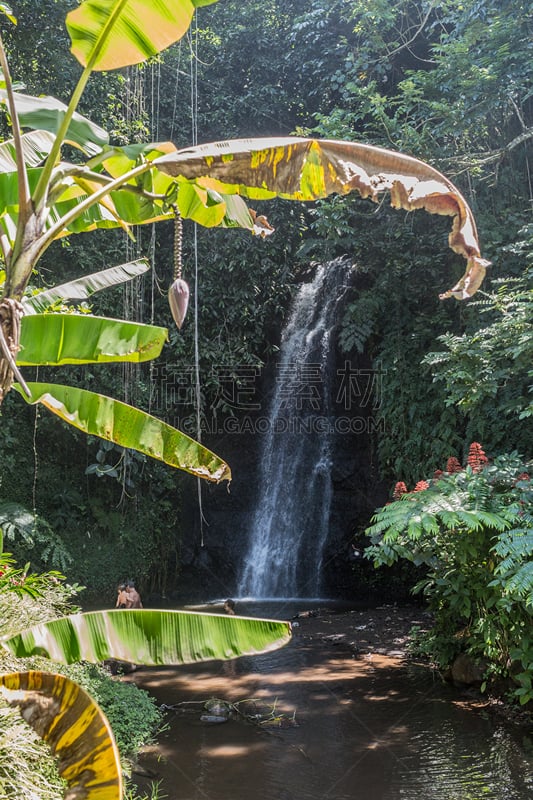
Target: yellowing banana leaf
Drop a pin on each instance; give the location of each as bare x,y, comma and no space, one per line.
120,208
55,339
70,721
35,145
119,160
149,637
46,113
5,9
129,427
110,34
308,169
84,287
205,207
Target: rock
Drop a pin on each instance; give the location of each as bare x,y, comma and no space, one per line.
466,671
219,708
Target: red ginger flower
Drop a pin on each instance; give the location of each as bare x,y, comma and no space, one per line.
524,476
437,474
476,457
421,486
399,489
453,465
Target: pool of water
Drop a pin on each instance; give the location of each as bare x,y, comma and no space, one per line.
344,727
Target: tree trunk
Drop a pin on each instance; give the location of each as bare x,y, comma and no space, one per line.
10,316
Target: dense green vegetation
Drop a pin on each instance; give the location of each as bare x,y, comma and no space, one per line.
25,761
472,529
449,82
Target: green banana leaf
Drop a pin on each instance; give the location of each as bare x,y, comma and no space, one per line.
205,207
55,339
129,427
35,145
149,637
125,207
74,726
110,34
46,114
101,215
85,287
118,160
309,169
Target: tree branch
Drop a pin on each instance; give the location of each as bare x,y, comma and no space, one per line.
415,35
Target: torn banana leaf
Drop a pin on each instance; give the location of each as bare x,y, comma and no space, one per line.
309,169
84,287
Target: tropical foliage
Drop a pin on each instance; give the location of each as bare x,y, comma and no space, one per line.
63,713
25,764
118,187
450,83
472,530
474,366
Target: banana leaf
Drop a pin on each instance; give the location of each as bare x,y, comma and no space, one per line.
35,145
110,34
70,721
85,287
129,427
309,169
56,339
6,9
205,207
46,114
149,637
118,160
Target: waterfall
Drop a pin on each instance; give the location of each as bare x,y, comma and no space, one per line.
290,524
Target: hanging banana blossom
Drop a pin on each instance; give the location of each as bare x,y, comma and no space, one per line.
178,294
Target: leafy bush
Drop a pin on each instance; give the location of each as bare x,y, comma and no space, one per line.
26,765
473,531
27,768
132,713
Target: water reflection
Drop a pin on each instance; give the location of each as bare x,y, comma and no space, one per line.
366,729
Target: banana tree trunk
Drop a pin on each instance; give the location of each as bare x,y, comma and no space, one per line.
10,315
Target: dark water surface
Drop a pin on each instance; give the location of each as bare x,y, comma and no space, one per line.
348,726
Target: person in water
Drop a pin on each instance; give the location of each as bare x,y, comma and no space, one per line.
128,596
133,596
122,598
229,606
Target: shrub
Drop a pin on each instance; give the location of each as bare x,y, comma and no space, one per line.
26,765
473,531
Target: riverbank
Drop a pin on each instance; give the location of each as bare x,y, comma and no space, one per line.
380,631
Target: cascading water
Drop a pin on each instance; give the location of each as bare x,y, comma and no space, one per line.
290,525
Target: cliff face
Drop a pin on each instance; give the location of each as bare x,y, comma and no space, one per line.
301,447
213,571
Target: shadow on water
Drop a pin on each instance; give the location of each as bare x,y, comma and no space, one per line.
345,726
